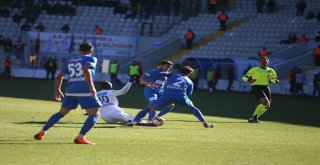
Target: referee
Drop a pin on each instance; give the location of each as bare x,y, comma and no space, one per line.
259,78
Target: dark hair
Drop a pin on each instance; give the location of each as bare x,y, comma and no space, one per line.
166,62
106,85
186,70
86,47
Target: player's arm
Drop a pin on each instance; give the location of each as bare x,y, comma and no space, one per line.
58,95
189,89
248,76
144,81
88,78
274,77
123,90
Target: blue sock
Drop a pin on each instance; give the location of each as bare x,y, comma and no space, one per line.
88,124
52,120
152,114
141,114
164,110
197,113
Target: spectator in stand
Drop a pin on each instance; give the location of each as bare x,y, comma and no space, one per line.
231,77
19,48
16,18
25,27
176,7
7,67
210,78
223,17
217,76
264,52
134,71
7,46
114,70
300,6
51,67
65,28
300,78
271,6
1,39
316,53
303,39
310,15
292,80
213,5
195,76
260,4
40,27
316,84
317,36
97,30
190,35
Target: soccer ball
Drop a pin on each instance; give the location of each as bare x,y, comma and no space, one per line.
158,121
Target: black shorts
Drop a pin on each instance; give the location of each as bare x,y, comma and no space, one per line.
261,91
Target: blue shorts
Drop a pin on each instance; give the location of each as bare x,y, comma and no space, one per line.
151,96
86,102
163,101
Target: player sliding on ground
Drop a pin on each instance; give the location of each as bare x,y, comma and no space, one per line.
80,90
177,90
259,78
110,111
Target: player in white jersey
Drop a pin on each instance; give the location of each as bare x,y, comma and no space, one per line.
110,111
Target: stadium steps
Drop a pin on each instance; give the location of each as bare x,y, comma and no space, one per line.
206,40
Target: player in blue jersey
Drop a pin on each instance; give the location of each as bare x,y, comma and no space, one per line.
154,81
177,90
80,90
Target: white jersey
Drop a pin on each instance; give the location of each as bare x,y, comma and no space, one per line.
109,97
110,110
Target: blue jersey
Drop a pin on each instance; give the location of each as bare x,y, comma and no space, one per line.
157,77
77,85
178,84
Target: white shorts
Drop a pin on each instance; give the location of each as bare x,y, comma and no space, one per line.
114,114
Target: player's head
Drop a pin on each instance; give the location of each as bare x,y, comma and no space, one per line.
106,85
187,70
264,61
86,48
165,65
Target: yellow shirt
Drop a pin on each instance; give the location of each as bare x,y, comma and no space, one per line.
262,76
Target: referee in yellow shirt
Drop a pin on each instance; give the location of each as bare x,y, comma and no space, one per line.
259,78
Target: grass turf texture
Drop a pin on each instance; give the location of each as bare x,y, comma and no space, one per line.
289,133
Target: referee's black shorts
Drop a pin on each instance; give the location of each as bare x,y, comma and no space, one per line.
261,91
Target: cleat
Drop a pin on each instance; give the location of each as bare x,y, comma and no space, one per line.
130,124
39,136
209,125
81,140
253,120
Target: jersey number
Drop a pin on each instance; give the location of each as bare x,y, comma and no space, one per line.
75,69
178,83
104,99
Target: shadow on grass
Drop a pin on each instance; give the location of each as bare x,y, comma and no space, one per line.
28,142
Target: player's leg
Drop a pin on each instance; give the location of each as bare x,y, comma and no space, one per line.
142,114
262,93
196,112
265,101
166,109
92,106
68,103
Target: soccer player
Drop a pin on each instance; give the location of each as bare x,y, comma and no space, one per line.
177,90
110,111
154,81
80,90
259,78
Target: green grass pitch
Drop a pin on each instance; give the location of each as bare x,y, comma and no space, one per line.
289,133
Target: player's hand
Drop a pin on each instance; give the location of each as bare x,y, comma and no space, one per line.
133,78
252,81
58,95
